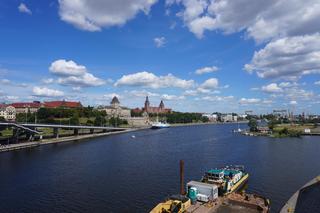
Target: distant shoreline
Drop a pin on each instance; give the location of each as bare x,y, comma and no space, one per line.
208,123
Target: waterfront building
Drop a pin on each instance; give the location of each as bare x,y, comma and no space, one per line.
25,107
7,112
62,104
227,118
211,117
116,110
151,109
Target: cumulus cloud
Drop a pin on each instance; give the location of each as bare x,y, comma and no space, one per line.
72,74
143,93
247,101
293,102
46,92
211,83
48,80
160,41
272,88
93,15
205,70
150,80
172,97
111,95
24,9
67,68
278,16
317,83
218,98
287,57
86,80
5,81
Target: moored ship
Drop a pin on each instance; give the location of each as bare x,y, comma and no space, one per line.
228,179
159,125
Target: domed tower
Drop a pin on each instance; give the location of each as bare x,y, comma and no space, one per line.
146,104
115,103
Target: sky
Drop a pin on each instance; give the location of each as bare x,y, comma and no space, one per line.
196,55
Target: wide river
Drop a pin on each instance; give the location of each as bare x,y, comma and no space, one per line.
120,173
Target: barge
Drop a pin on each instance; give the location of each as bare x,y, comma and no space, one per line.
203,197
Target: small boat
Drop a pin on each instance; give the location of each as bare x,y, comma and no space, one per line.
228,179
237,130
159,125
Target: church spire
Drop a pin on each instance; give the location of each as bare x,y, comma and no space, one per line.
147,103
161,106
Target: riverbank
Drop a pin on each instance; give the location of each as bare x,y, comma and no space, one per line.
25,145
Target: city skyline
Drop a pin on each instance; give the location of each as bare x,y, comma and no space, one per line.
198,56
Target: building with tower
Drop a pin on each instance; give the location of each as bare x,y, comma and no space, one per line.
151,109
115,109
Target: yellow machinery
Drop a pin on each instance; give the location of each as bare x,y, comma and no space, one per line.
176,204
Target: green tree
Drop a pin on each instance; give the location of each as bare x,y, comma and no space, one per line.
99,121
74,120
253,125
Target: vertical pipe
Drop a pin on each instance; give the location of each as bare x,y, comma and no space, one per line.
182,177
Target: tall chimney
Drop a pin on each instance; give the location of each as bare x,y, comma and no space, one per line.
182,192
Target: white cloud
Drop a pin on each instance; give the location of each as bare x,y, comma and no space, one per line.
24,9
48,80
93,15
206,70
218,98
46,92
86,80
280,17
160,41
293,102
272,88
72,74
143,93
211,83
150,80
9,98
247,101
172,97
111,95
317,83
289,57
5,81
67,68
76,89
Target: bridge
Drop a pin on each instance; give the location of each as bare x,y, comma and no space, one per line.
30,130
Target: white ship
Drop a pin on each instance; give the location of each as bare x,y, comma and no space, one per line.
159,125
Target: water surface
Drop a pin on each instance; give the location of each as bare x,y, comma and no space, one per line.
119,173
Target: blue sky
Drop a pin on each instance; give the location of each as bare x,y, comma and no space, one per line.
196,55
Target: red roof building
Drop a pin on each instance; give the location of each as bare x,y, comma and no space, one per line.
24,107
62,104
150,109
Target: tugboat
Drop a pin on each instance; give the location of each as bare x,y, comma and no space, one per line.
228,179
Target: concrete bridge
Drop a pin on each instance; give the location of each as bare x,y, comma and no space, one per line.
32,129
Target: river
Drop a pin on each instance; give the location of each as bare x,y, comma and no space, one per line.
121,173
